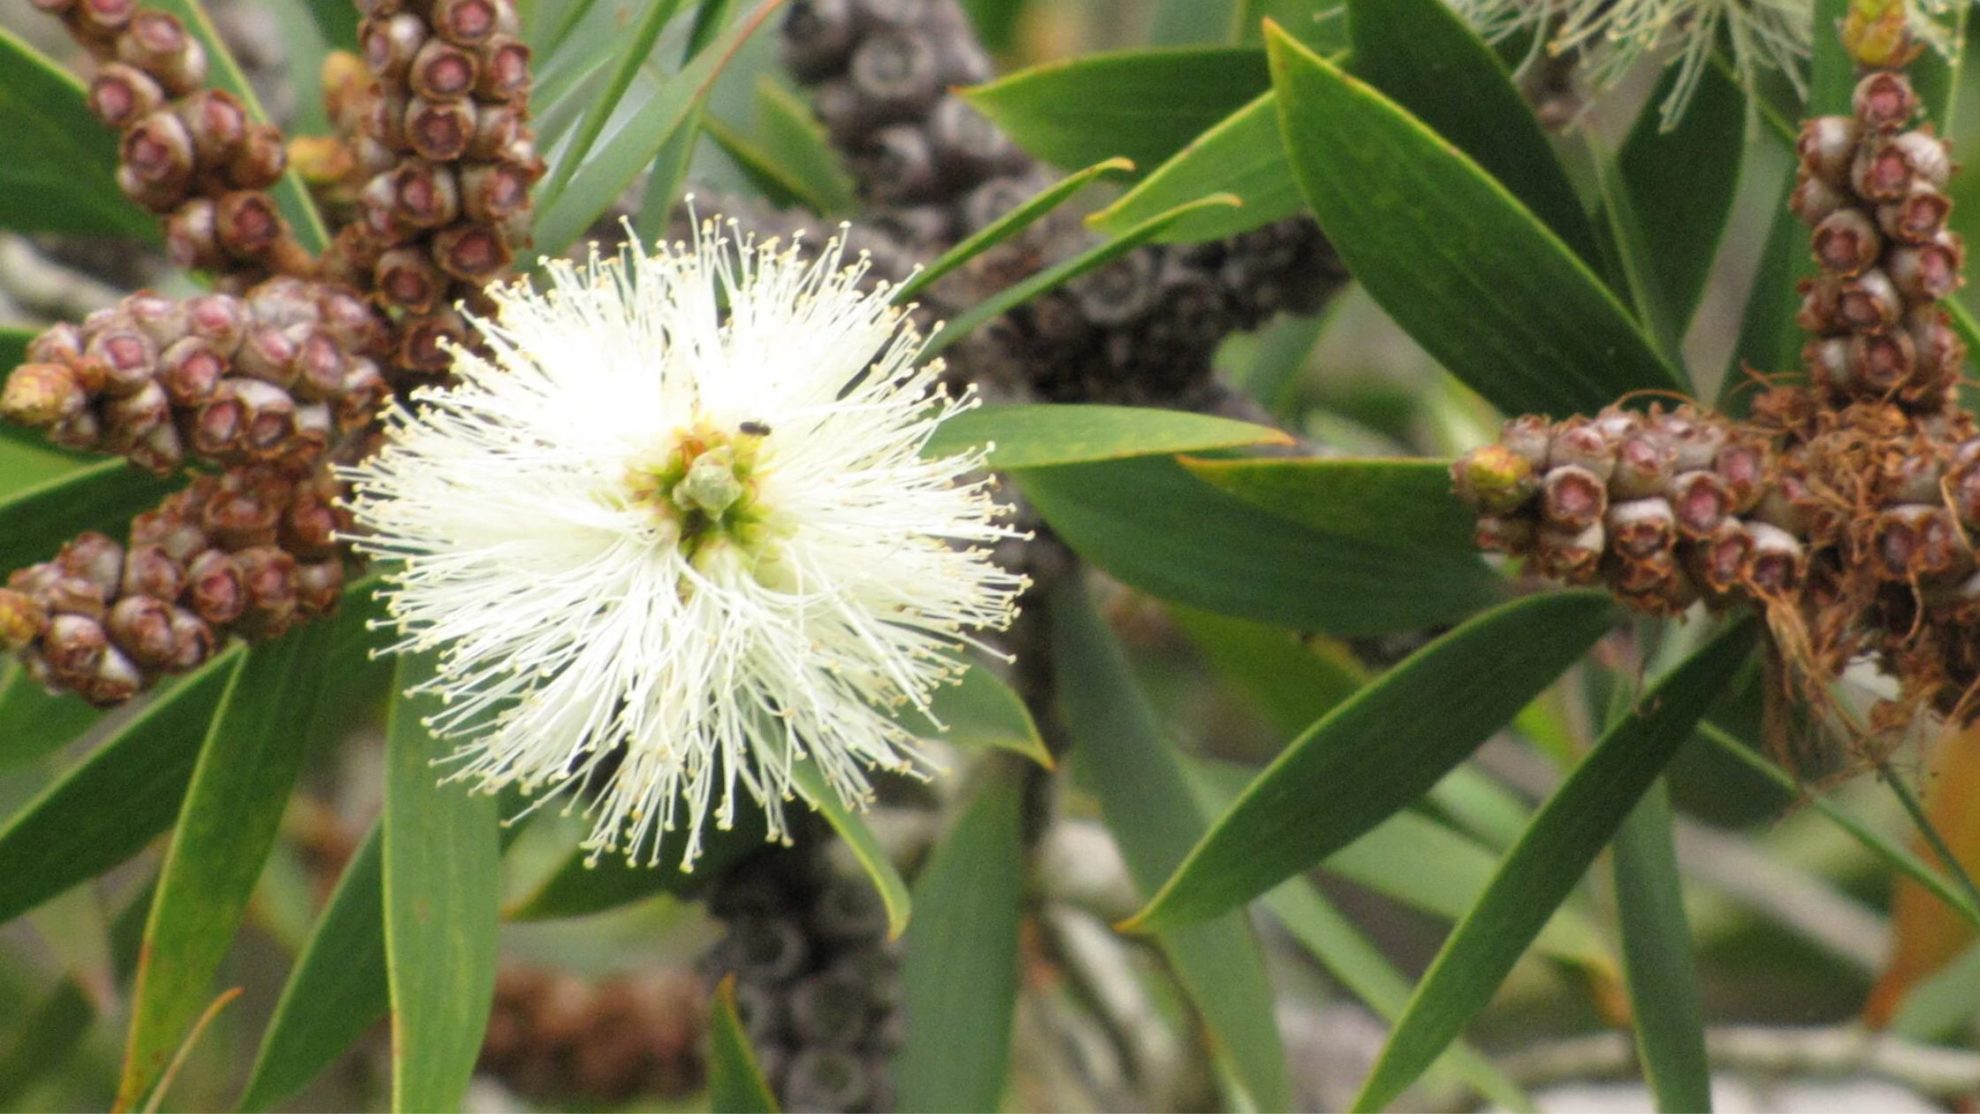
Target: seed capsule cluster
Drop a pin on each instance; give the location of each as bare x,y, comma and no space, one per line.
932,170
441,142
1846,506
280,375
553,1036
1873,189
188,153
247,552
817,983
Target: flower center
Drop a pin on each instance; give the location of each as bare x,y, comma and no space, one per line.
704,488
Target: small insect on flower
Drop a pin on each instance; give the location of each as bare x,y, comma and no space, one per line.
675,533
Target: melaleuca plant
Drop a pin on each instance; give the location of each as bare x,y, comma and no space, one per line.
874,554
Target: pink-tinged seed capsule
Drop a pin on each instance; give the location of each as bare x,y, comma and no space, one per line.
150,571
217,122
1912,478
96,559
158,44
424,195
1826,360
141,626
267,354
495,127
246,225
1915,541
473,253
1820,310
1723,559
1916,218
1742,465
41,395
60,343
259,160
1814,199
1881,171
81,431
189,371
218,319
119,95
1644,466
365,391
160,451
1846,243
1527,436
425,341
269,575
439,130
282,301
97,21
1694,445
1493,479
407,278
1578,443
1869,302
1881,362
1826,146
319,586
1571,556
505,74
192,641
494,191
190,236
220,423
73,645
390,42
1928,272
125,355
1778,561
319,363
442,71
1644,576
162,320
1640,528
465,23
114,680
347,319
1699,502
1884,101
270,417
127,418
1572,498
214,588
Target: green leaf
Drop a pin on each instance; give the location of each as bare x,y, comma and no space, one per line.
1140,104
980,712
735,1080
760,164
1937,1007
1681,184
1424,57
1381,749
66,835
860,840
1657,957
1320,24
1543,867
1460,264
38,722
336,992
104,496
224,72
628,55
61,174
1121,757
439,845
1028,436
960,975
233,805
1293,681
1241,155
1154,526
1065,271
638,126
13,340
1006,226
785,125
1397,502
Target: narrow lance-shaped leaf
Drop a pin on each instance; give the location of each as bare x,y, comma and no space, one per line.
1424,57
1459,263
442,896
736,1084
960,975
1543,867
1008,225
65,835
1030,436
1145,799
60,175
103,496
1681,183
1152,525
860,840
227,823
1657,957
1241,155
1143,105
1406,502
1379,750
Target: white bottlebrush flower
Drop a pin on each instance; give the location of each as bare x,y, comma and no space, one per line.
675,532
1614,35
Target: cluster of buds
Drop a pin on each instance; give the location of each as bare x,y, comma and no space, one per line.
817,984
188,153
1844,507
440,140
933,170
1666,508
1873,189
248,552
553,1036
279,374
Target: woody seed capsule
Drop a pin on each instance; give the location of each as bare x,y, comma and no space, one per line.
120,95
1577,443
390,42
157,43
1916,218
1826,146
1571,556
41,395
1644,466
1884,101
442,71
1573,498
1777,561
1641,527
1881,362
1928,272
214,589
1846,243
504,72
1494,479
1868,302
1699,501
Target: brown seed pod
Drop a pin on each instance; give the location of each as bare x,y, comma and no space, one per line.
1572,498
